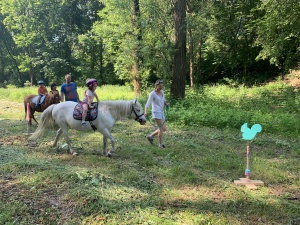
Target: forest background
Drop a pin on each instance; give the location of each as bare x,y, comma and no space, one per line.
134,42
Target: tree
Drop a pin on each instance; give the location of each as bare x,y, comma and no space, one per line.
179,71
8,62
136,53
278,32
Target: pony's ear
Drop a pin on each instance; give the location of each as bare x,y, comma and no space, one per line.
135,100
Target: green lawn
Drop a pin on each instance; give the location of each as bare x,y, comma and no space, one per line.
189,182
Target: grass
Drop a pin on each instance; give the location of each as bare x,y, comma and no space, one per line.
190,182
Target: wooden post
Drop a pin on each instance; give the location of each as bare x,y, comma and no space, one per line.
28,119
247,171
251,184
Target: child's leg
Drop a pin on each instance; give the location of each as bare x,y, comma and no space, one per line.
84,113
38,100
162,127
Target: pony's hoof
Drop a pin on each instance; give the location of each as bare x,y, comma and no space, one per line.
109,155
74,154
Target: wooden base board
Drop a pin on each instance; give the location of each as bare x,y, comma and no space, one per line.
251,184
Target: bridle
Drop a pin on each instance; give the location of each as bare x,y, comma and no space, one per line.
137,116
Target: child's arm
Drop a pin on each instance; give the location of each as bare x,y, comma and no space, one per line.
89,98
97,97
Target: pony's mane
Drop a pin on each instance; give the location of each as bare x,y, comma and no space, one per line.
118,108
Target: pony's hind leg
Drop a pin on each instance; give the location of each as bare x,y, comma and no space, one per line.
34,119
104,145
58,133
67,139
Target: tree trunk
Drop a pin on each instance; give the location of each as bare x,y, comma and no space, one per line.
136,80
178,83
199,55
191,56
101,61
135,20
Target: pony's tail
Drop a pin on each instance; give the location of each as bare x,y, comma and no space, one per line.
46,121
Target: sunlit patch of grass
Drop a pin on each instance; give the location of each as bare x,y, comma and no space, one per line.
105,92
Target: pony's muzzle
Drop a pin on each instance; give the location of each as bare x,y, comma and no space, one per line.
142,121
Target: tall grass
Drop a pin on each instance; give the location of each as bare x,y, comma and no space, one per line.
106,92
275,106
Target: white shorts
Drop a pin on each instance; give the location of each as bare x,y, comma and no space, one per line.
157,115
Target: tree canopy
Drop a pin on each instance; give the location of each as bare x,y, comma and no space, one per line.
135,42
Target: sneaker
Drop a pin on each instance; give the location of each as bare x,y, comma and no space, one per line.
150,139
84,124
162,146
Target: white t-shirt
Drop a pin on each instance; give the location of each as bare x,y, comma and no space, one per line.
158,102
89,93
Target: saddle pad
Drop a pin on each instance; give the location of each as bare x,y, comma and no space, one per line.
41,99
91,114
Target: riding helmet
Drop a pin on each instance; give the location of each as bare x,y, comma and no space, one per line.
41,82
90,82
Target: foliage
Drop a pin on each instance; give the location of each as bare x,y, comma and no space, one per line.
249,41
278,32
275,106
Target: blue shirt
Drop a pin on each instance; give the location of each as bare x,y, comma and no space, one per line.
70,91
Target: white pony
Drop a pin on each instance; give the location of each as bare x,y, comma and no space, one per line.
108,113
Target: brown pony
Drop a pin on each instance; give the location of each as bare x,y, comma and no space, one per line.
51,98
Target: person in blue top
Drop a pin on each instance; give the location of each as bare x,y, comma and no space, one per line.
68,90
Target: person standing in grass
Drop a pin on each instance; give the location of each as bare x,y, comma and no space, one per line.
68,90
88,98
157,100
